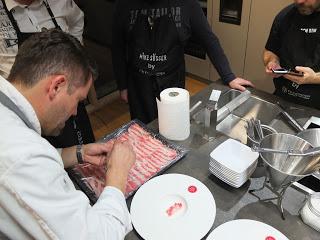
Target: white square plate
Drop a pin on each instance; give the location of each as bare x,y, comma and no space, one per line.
234,155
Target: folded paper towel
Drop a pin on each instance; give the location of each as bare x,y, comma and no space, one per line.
173,114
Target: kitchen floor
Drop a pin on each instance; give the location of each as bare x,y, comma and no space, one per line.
116,113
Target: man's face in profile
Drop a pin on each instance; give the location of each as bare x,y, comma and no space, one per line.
307,7
65,106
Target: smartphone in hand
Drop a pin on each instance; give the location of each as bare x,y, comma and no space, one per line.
285,71
280,71
295,73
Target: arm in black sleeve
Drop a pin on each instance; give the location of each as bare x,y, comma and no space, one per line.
273,42
119,45
279,25
202,31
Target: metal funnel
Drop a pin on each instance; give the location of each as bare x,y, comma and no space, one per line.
282,169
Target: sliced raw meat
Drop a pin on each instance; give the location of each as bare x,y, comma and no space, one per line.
151,156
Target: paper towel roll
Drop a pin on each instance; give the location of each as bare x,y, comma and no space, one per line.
173,113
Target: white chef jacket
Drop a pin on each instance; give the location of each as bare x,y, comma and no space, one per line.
37,198
32,19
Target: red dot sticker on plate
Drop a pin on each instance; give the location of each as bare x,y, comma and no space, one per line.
192,189
270,238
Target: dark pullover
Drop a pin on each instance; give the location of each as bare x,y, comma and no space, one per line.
189,19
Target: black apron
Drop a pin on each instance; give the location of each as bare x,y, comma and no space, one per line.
77,129
156,58
300,46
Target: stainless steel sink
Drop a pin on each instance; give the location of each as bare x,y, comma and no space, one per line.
257,108
234,125
235,108
227,97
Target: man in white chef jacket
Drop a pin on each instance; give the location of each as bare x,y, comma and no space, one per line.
51,74
20,19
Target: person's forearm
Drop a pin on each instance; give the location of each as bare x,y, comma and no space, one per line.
269,56
69,156
202,31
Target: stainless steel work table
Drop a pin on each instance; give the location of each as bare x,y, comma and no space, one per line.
235,203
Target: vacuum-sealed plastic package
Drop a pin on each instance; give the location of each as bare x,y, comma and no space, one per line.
154,154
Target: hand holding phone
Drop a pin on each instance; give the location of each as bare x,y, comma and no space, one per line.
280,71
285,71
295,73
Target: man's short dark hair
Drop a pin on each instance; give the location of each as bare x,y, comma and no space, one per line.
50,53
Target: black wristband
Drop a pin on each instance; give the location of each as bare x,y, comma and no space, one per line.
79,153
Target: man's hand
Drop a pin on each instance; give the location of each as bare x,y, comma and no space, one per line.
309,76
120,161
124,95
272,65
240,83
96,153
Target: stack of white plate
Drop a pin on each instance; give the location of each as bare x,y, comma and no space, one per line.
233,162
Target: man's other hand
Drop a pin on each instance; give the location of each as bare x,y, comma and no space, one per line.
240,83
96,153
309,76
272,65
120,161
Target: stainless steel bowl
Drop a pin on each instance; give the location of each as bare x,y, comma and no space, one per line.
311,135
282,169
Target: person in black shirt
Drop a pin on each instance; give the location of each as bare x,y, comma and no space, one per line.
148,50
294,43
